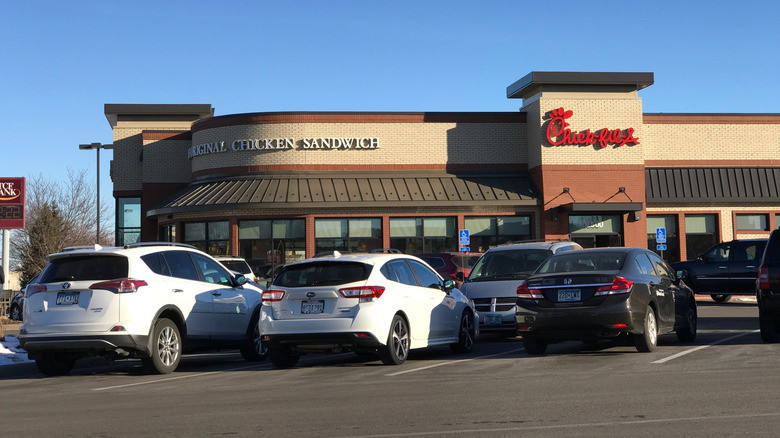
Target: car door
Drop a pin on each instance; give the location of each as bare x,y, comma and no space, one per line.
743,265
416,301
229,317
444,321
712,274
665,290
187,293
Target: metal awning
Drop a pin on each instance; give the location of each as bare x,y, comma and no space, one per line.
601,207
734,185
354,191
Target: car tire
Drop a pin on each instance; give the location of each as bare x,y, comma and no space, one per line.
55,364
282,357
688,334
166,348
15,313
646,341
254,350
767,326
720,298
397,349
466,334
533,346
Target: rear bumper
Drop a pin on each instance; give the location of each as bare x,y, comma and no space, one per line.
122,345
769,303
323,342
579,323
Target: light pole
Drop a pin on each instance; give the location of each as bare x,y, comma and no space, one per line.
97,147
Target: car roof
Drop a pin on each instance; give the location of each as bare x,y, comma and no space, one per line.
532,245
131,249
371,258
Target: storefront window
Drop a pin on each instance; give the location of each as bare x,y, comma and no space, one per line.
167,233
347,235
210,237
596,231
128,221
423,235
669,223
701,233
269,244
752,222
486,232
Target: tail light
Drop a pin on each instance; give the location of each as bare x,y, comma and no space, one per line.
529,294
619,285
365,293
34,289
272,295
120,286
763,277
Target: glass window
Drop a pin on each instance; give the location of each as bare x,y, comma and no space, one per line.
167,233
403,272
212,271
156,262
347,235
209,237
322,274
423,235
669,223
752,222
718,254
487,232
268,244
701,233
128,221
427,277
644,265
180,265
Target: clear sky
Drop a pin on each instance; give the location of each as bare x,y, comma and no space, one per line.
63,60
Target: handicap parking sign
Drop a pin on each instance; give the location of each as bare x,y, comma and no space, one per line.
660,235
464,237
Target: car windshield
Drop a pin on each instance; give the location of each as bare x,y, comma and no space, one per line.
508,264
465,261
97,267
322,274
578,261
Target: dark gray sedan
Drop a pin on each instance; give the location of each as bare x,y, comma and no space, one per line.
604,293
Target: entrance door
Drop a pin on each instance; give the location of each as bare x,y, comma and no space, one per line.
597,240
596,231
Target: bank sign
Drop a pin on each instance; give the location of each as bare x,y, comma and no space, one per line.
559,134
12,197
275,144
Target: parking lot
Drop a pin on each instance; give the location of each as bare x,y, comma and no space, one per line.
725,383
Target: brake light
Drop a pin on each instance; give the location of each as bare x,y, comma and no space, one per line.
763,277
34,289
619,285
120,286
272,295
364,293
529,294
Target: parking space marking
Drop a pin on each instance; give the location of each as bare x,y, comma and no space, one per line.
701,347
451,362
168,379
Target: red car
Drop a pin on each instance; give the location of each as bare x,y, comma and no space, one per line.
447,264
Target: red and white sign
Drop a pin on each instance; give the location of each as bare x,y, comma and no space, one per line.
558,133
12,197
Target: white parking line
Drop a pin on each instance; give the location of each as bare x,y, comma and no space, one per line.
441,364
149,382
701,347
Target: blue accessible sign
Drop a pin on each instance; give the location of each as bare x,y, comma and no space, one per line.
660,235
465,239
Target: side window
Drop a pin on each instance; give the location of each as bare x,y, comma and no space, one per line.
388,272
747,252
427,277
403,272
718,253
645,265
213,271
661,267
180,265
156,262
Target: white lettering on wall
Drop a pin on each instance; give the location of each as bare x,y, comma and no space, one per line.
267,144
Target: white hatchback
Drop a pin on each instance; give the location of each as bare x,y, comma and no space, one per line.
372,304
146,300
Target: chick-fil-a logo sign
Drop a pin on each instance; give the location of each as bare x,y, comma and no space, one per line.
558,133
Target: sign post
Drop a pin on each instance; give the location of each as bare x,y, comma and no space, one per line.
12,201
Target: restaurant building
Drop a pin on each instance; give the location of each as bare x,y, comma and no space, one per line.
580,160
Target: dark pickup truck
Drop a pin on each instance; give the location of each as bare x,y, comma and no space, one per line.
726,269
768,289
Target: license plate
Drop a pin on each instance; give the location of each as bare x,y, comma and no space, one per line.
568,295
67,298
490,318
312,306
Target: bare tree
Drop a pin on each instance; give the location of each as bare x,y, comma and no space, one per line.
58,216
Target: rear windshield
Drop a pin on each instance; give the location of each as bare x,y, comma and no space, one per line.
465,261
508,264
435,262
577,261
322,274
99,267
236,265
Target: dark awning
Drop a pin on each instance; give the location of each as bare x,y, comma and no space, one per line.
740,185
354,191
601,207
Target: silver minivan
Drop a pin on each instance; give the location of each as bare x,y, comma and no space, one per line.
492,283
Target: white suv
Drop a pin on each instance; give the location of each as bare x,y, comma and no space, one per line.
145,300
372,304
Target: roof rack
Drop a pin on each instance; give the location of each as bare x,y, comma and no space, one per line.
384,251
94,247
145,244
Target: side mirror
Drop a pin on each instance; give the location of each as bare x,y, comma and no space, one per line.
682,274
460,277
240,280
448,285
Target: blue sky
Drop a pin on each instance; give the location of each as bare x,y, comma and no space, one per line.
63,60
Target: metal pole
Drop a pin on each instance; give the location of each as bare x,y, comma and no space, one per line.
97,237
